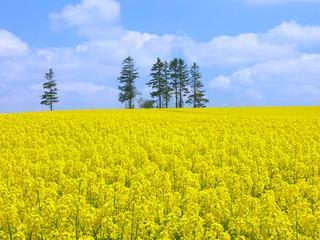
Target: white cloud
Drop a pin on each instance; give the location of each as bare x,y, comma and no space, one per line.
292,32
92,18
303,69
254,94
83,87
244,76
292,80
99,21
11,45
243,49
76,87
283,41
16,99
277,2
220,82
302,90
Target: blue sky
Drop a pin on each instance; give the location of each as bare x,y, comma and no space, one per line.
251,52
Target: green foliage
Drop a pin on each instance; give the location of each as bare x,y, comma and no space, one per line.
179,80
146,103
157,82
50,95
167,90
183,76
197,97
167,80
174,79
128,75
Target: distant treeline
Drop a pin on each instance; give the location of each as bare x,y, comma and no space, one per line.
169,82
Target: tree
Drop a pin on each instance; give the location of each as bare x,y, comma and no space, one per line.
197,97
183,76
167,90
128,75
50,95
174,81
157,83
146,103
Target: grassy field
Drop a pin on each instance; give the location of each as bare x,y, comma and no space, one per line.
244,173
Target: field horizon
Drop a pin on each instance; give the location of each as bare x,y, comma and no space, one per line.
170,109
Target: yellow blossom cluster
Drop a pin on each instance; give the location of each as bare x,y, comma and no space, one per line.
245,173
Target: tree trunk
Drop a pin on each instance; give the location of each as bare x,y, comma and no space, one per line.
176,93
180,98
194,96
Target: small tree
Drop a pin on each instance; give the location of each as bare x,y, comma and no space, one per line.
197,97
128,75
50,95
146,103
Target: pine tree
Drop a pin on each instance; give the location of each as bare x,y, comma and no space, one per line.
157,83
167,91
197,97
128,75
174,83
50,95
183,77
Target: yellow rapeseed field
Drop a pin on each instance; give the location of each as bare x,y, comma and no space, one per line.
245,173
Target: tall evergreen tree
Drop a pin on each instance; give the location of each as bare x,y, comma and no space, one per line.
174,76
183,77
157,83
197,97
128,75
167,91
50,95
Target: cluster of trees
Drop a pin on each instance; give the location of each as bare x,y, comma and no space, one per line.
169,81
